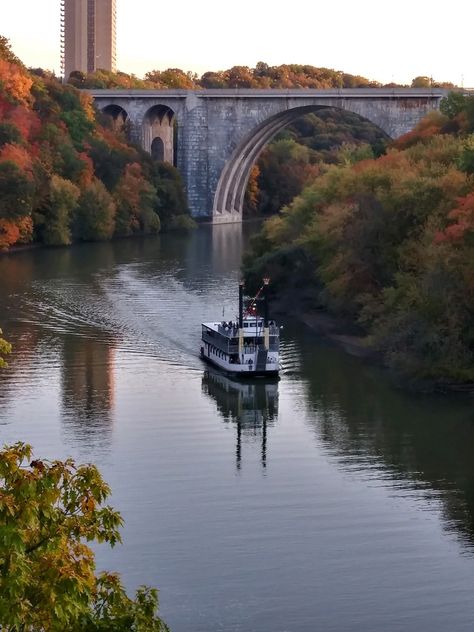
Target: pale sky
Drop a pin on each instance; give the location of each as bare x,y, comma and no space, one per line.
384,41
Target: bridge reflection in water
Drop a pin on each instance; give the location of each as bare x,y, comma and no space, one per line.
251,406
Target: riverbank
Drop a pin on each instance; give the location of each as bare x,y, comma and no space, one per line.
192,225
347,336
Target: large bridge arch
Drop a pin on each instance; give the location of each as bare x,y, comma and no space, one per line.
232,184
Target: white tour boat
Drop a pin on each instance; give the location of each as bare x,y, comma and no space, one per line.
248,346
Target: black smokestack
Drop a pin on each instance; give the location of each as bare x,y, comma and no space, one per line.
241,304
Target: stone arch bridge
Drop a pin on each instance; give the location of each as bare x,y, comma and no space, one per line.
215,136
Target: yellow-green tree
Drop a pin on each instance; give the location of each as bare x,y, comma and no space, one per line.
63,196
48,511
5,349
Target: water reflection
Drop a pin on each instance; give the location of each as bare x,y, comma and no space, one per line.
105,367
419,446
87,388
251,406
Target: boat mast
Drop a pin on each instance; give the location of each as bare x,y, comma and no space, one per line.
266,330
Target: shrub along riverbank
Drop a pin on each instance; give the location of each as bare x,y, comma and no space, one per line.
66,175
388,244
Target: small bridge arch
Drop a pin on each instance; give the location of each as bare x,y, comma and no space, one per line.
118,115
158,132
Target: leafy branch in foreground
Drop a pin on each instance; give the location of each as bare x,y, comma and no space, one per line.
5,349
48,511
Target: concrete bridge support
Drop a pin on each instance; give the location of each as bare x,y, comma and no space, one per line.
220,133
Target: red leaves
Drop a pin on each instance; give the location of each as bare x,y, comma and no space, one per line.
14,231
428,127
18,155
463,217
26,120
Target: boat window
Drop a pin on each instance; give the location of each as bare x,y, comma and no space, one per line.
246,324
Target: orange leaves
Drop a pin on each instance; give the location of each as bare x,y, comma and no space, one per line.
252,193
129,187
87,175
115,142
135,198
428,127
463,217
87,105
88,504
18,155
14,81
25,120
9,233
15,231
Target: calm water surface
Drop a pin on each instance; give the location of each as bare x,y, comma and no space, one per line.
331,501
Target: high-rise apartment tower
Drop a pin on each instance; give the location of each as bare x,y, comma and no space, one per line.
87,35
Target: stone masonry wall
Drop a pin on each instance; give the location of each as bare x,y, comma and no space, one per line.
215,125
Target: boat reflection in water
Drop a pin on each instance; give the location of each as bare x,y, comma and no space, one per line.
251,405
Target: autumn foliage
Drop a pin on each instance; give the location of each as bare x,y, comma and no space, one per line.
261,76
49,512
64,176
388,244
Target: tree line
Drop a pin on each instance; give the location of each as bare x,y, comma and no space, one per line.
261,76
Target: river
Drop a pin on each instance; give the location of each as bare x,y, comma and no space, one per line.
333,501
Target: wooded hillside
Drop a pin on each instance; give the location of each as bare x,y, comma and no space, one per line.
65,174
389,243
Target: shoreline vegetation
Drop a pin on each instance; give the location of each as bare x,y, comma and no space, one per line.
387,245
345,335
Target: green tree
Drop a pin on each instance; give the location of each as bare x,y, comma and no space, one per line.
63,196
48,511
453,104
285,167
16,191
171,200
9,134
95,214
135,200
109,161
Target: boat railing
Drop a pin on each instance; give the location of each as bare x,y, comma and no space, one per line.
231,331
224,344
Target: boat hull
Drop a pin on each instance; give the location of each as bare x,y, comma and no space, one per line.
246,374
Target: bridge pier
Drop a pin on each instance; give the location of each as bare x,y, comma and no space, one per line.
220,133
